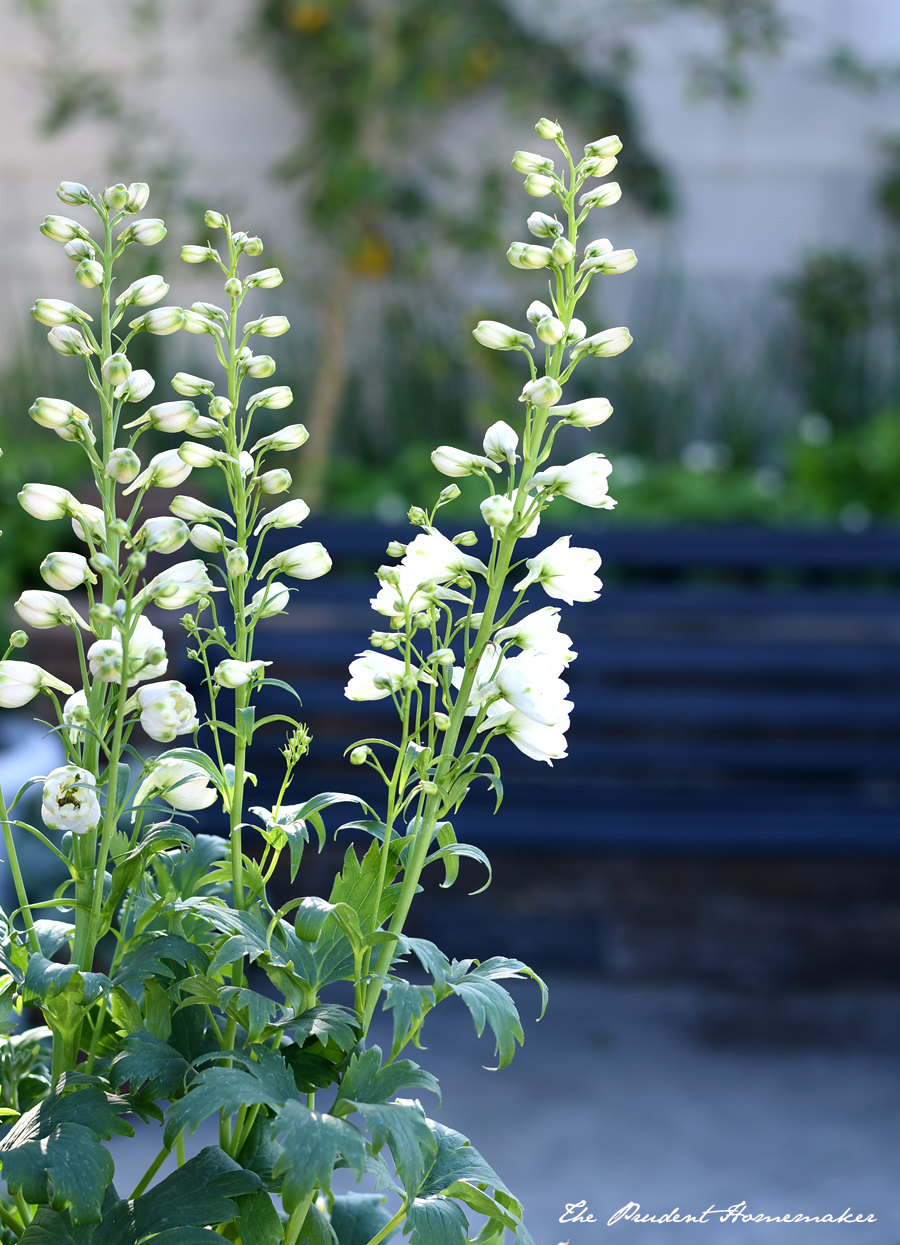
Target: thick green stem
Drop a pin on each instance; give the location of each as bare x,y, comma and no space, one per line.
18,880
296,1221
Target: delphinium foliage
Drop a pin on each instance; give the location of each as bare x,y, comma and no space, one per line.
175,991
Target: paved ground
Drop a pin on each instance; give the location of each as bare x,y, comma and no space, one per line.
672,1097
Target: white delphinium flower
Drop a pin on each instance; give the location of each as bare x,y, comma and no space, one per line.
69,801
146,655
288,438
182,784
531,684
565,573
498,336
39,608
273,599
586,480
453,462
88,523
167,709
373,676
497,511
233,673
604,345
501,442
587,413
544,391
46,501
179,585
539,632
541,743
194,511
163,534
165,470
75,711
167,417
20,681
288,514
484,688
432,556
308,561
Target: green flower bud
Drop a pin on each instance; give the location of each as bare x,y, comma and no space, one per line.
604,345
550,330
277,481
311,916
253,247
138,194
68,341
538,185
359,755
79,249
136,387
268,326
148,232
137,560
604,196
395,549
613,262
89,273
543,226
143,292
548,129
211,311
220,408
598,166
233,287
54,311
524,255
563,251
274,399
417,516
115,197
56,413
290,437
214,220
161,321
537,311
600,246
204,428
123,465
194,322
259,367
609,146
18,639
62,229
191,386
544,391
528,162
74,194
498,336
196,254
265,279
465,538
450,493
443,657
441,721
236,562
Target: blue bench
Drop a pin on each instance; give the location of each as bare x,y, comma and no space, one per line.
736,691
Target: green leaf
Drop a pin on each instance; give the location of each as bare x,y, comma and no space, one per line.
297,836
489,1003
51,1227
123,782
317,1229
271,1070
193,866
252,1010
357,1217
481,1203
431,957
145,1059
450,854
225,1089
402,1124
410,1004
310,1071
90,1108
148,960
328,1022
366,1080
436,1221
52,935
259,1223
456,1160
260,1150
69,1169
312,1142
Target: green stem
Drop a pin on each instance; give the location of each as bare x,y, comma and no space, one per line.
23,1207
150,1172
296,1221
389,1227
17,877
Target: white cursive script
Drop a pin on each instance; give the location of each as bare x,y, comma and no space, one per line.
738,1213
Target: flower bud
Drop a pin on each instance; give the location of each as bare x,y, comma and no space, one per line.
233,287
78,249
143,292
273,399
138,385
194,511
441,721
68,341
46,501
269,601
120,529
577,330
54,311
268,326
609,146
191,386
65,571
603,345
600,246
450,461
359,755
198,455
288,514
138,194
179,585
465,538
497,511
220,408
148,232
161,321
236,562
115,197
498,336
537,312
417,516
137,560
587,413
74,194
89,274
395,549
539,186
167,417
164,470
563,251
541,392
548,129
18,639
265,279
162,534
214,220
501,442
450,493
20,682
543,226
196,323
259,367
612,263
252,247
205,428
246,464
597,166
602,196
528,162
56,413
308,561
206,538
196,254
62,229
47,609
523,255
277,481
88,521
231,673
290,437
550,330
